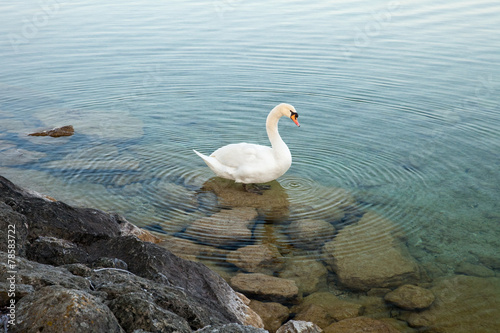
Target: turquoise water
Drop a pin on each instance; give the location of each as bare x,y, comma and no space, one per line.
398,104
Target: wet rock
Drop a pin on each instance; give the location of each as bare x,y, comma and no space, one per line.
263,258
309,275
272,314
360,324
298,326
58,309
410,297
310,234
334,307
135,311
226,227
462,304
265,287
368,254
56,132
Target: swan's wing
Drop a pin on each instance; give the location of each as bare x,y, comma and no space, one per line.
243,154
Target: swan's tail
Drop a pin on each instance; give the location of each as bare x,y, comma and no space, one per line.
200,154
218,168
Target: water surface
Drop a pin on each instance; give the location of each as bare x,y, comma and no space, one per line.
398,103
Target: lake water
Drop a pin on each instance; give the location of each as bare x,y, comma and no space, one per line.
398,101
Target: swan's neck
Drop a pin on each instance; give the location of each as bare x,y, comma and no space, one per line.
280,149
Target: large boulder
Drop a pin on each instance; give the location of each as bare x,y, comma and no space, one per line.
368,254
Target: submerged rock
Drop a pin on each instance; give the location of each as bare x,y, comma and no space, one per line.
463,304
326,307
272,314
265,287
227,227
368,255
310,275
360,324
258,258
410,297
310,234
56,132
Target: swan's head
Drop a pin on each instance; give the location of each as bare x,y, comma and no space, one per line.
288,110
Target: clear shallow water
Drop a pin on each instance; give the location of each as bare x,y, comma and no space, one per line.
398,103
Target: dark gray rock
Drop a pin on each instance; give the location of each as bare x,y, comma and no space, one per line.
135,311
57,219
40,275
55,251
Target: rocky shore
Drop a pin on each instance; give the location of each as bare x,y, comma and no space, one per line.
82,270
68,269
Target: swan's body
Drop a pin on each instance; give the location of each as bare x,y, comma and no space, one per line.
253,164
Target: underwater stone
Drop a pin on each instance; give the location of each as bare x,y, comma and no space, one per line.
368,254
410,297
272,314
265,287
310,234
451,311
336,308
226,227
263,258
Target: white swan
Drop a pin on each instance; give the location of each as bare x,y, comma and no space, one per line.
253,164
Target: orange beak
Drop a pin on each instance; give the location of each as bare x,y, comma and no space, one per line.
294,118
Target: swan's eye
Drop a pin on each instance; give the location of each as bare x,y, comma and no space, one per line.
292,114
